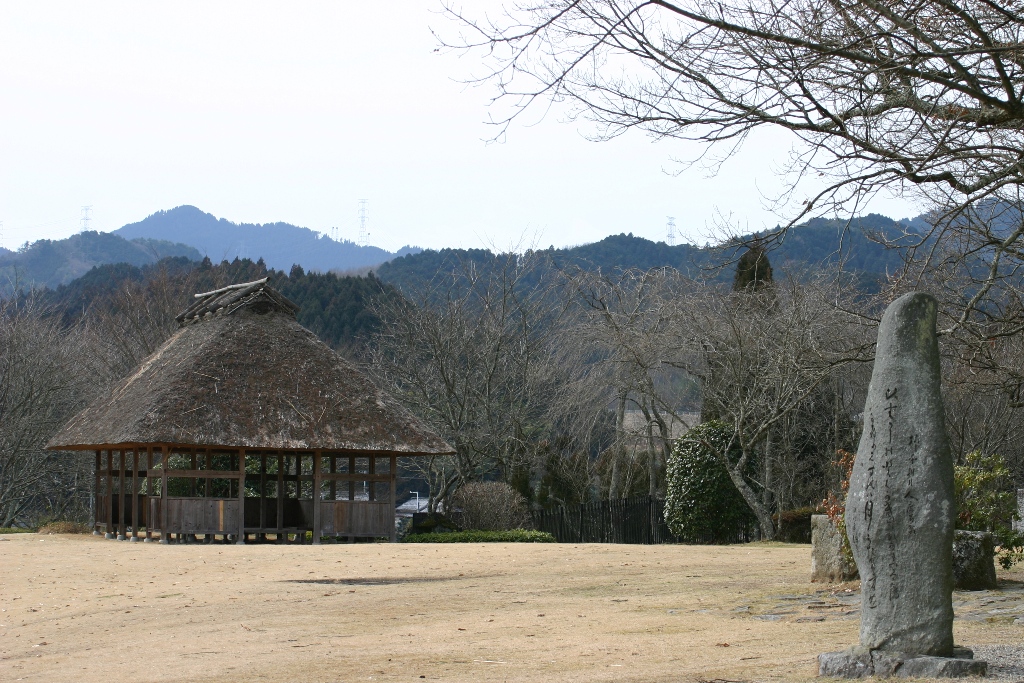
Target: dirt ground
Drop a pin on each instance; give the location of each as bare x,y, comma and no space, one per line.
80,608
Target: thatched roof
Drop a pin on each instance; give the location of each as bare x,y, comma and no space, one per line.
242,372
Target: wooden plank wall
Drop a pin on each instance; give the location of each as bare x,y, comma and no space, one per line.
357,518
202,515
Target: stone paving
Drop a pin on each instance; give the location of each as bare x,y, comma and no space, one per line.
1004,605
842,602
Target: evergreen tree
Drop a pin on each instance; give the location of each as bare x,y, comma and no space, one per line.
753,271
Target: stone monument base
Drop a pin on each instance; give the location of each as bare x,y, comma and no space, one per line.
859,662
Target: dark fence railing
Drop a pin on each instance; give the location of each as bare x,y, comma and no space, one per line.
627,520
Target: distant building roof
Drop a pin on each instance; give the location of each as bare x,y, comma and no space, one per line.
242,372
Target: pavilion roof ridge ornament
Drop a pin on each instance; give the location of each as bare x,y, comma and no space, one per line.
240,285
258,295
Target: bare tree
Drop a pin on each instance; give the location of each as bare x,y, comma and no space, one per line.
763,358
982,397
923,98
132,322
630,327
41,385
472,355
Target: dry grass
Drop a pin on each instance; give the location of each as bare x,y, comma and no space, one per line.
85,609
65,527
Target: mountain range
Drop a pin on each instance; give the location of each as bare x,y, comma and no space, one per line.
49,263
280,245
188,232
817,243
183,231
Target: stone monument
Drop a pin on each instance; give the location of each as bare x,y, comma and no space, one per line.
900,511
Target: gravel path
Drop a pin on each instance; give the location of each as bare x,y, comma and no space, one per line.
1005,662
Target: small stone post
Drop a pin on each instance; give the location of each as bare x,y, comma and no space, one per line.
828,562
900,510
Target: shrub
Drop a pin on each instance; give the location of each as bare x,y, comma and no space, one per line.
65,527
514,536
701,502
490,506
985,501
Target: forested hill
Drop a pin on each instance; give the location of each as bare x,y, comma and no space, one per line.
815,244
336,308
49,263
280,245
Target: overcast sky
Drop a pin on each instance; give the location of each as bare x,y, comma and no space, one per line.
261,112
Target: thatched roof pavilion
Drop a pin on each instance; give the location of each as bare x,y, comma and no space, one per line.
243,408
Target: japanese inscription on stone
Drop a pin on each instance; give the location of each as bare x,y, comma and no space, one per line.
900,512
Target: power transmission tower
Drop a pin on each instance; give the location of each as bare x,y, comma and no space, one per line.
671,231
86,218
334,233
364,233
1,234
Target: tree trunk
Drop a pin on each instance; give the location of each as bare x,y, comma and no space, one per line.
614,480
615,484
652,454
763,513
652,462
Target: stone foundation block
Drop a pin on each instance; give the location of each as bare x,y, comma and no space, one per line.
858,662
827,562
974,567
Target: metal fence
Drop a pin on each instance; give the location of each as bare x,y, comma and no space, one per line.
627,520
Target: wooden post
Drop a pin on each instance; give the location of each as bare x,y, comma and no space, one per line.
135,493
165,459
263,496
351,492
371,486
109,502
394,483
280,497
122,528
241,497
97,501
149,492
192,480
334,484
316,497
352,482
